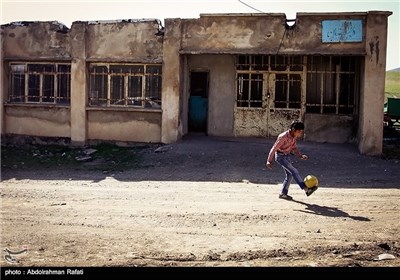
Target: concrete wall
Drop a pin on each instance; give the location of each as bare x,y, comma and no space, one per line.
329,128
370,130
131,126
268,34
79,85
171,83
34,41
263,34
222,93
118,42
133,41
211,43
37,121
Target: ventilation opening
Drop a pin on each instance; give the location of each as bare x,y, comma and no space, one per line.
290,24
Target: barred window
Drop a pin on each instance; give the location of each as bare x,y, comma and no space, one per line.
332,87
288,91
133,85
254,86
250,90
40,83
332,84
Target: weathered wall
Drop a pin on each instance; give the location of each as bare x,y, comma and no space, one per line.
121,125
306,37
36,41
370,133
37,121
221,99
171,82
189,44
119,42
124,41
280,120
79,86
263,34
263,122
329,128
250,122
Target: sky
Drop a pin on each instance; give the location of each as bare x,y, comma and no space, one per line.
67,12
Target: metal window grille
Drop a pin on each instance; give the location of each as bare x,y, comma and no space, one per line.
133,85
332,84
40,83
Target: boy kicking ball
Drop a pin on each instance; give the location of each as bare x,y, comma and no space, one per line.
285,146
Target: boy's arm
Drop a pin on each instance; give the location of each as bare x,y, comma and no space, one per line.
273,150
296,151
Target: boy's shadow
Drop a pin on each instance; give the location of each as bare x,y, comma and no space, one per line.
328,211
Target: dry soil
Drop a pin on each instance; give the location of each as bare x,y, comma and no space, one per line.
206,201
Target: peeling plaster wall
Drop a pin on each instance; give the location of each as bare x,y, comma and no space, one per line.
306,37
264,34
124,126
280,120
243,33
249,122
124,41
36,40
263,122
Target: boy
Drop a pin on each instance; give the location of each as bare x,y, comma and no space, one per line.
285,145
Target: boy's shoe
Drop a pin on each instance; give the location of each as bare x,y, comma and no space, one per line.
309,191
285,196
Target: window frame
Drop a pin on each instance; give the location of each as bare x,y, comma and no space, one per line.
130,87
336,91
266,65
39,85
326,81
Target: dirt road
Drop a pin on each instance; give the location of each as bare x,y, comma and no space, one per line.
206,202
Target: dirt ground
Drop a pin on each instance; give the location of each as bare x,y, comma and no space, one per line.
206,201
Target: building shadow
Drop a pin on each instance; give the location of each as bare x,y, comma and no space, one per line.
328,211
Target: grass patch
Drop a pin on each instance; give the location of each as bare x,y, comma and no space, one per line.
392,85
105,157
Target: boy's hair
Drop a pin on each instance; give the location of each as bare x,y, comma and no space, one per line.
297,125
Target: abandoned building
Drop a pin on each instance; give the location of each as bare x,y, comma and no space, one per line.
235,75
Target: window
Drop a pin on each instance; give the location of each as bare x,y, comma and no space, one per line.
250,89
332,87
288,91
332,84
252,72
133,85
48,83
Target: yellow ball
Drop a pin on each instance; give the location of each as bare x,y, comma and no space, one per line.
311,181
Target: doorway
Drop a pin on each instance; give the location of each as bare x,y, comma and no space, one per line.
198,102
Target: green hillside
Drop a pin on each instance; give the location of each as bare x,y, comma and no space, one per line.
392,86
